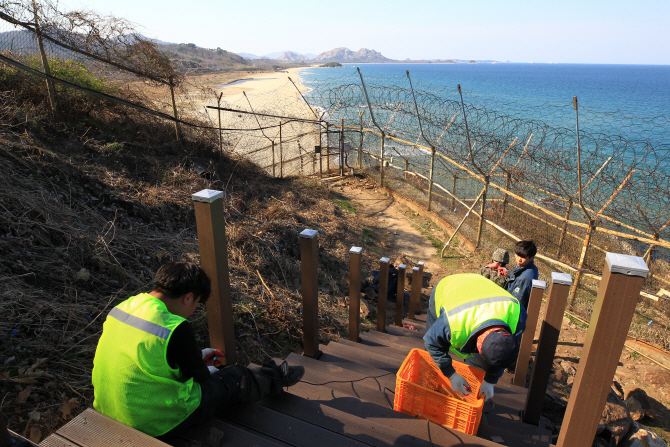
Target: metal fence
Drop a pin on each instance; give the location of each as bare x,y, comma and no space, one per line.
577,181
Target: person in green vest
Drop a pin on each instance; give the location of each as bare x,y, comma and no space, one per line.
475,319
148,371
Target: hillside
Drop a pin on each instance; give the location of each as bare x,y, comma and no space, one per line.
346,55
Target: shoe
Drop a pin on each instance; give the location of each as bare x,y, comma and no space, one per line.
290,375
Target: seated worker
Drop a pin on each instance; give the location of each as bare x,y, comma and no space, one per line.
476,320
148,371
521,279
496,271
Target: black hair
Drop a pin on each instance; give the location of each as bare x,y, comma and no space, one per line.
525,249
176,279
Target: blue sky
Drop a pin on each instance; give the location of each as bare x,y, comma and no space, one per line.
566,31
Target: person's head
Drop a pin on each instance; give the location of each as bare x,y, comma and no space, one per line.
524,252
501,256
181,286
498,347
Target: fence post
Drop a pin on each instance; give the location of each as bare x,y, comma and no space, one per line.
565,228
211,228
281,154
504,201
453,194
534,304
273,160
309,266
320,150
383,292
430,181
481,212
415,295
341,146
381,163
328,148
360,147
45,63
582,258
218,104
174,112
613,311
400,294
546,347
354,292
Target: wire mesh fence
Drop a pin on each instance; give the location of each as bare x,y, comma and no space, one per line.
578,181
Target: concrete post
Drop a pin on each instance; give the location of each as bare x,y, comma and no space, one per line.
383,291
309,266
415,296
546,348
354,292
620,286
534,304
211,228
400,294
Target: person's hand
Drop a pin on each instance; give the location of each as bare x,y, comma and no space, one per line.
459,385
212,369
213,357
486,390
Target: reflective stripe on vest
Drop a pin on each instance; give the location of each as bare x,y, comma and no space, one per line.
138,323
471,300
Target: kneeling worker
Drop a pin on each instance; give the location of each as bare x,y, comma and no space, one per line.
148,371
477,320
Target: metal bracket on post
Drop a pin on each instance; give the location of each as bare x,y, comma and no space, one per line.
620,286
546,347
383,292
534,304
211,227
400,295
354,292
415,296
309,266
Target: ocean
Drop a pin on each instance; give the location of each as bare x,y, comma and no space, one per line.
635,99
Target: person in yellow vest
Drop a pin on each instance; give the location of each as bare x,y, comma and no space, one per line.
475,319
148,371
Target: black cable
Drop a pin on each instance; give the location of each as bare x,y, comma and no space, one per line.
347,381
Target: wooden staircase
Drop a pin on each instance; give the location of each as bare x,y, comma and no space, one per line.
345,399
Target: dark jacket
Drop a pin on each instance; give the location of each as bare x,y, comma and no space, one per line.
438,340
521,281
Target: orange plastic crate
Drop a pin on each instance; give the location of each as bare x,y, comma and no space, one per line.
422,390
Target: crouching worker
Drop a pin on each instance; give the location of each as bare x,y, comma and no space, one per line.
148,371
478,321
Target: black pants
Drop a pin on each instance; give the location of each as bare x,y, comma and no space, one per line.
229,385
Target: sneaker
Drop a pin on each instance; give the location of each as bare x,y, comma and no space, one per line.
291,374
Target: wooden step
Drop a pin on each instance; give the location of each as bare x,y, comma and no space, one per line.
399,344
233,434
337,394
506,394
396,330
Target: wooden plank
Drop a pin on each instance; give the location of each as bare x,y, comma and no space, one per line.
378,350
420,325
369,428
392,341
233,435
284,428
523,359
354,292
93,429
356,355
57,441
400,331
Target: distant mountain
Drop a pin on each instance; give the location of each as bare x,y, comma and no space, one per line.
290,56
249,56
346,55
310,55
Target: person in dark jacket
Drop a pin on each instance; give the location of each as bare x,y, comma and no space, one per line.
521,279
475,319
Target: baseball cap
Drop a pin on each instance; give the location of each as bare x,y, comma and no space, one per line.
500,349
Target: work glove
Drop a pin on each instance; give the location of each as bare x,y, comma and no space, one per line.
486,390
212,369
459,385
213,357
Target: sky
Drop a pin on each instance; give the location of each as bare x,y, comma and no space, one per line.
565,31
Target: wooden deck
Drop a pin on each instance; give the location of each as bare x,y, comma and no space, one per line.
339,413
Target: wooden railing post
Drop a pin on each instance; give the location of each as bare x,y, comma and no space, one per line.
354,292
383,292
582,260
400,294
415,296
309,266
534,304
546,347
613,311
211,227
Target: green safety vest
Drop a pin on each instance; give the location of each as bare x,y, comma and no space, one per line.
133,382
470,300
